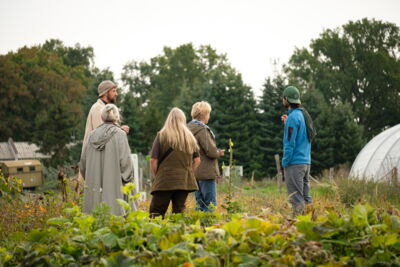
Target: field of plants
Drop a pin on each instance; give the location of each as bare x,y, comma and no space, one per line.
350,223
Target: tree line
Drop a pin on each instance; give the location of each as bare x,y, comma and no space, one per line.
349,78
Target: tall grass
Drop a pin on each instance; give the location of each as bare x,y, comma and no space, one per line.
379,194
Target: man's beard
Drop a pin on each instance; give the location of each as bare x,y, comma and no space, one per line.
110,100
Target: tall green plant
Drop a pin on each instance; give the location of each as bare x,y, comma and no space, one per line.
231,205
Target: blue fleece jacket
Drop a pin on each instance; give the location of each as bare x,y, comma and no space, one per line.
296,147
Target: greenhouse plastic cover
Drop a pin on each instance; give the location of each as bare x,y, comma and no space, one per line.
378,158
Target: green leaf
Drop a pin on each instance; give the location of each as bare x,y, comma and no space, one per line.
306,226
57,221
109,240
85,222
125,205
37,235
233,227
360,216
128,188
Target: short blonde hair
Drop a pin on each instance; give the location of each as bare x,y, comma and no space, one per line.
200,110
110,113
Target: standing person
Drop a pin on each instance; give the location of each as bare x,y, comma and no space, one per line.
107,95
208,171
174,158
296,159
106,163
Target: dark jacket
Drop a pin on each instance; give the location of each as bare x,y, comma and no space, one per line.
175,172
209,152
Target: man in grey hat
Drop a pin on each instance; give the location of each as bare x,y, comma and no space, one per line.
107,95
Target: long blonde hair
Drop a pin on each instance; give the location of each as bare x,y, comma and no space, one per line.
176,134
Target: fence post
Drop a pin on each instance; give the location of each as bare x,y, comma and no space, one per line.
330,174
279,175
141,182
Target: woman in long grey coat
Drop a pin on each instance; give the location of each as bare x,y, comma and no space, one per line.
106,163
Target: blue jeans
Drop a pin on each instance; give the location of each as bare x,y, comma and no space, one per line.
206,195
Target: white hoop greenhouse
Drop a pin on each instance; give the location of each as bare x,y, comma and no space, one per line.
379,157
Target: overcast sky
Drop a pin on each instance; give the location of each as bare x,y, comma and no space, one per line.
252,33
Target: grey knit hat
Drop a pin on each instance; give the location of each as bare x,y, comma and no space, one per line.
105,86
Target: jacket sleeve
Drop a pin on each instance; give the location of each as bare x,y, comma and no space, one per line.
207,144
126,163
289,141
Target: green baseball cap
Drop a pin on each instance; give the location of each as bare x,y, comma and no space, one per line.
292,94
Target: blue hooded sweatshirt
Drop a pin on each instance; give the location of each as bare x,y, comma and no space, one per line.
296,147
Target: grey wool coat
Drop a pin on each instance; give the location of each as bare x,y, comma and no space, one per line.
106,165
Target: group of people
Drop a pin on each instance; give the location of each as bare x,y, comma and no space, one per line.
184,156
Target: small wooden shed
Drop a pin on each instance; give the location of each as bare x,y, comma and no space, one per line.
29,171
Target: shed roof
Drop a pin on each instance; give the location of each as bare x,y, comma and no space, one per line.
19,163
20,150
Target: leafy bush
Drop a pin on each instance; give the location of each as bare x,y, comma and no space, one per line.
363,237
20,215
10,187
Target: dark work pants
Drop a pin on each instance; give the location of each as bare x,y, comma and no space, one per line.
298,186
160,202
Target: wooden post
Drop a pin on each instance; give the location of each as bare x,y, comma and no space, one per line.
330,174
141,179
252,179
279,175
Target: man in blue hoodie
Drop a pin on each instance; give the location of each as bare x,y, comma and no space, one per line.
296,159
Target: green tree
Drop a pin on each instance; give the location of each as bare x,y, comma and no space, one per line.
356,64
322,147
339,137
132,115
43,99
348,135
270,130
183,76
88,99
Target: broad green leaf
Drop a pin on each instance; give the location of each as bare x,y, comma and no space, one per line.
125,205
57,221
84,222
233,227
37,235
109,240
360,216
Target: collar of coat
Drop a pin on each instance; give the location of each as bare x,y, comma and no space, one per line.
202,124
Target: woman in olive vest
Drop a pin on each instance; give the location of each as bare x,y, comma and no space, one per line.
208,171
174,159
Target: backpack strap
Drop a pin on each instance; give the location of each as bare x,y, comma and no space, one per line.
311,132
161,159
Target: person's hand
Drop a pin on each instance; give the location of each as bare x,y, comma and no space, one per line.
125,128
283,118
221,152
